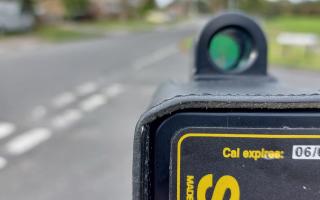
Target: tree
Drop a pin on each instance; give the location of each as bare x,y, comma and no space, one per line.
28,6
146,6
256,6
76,9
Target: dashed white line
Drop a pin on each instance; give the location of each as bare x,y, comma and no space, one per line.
87,88
64,100
155,57
93,102
114,90
6,129
27,141
67,118
3,162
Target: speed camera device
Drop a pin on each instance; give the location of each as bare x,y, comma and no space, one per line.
232,132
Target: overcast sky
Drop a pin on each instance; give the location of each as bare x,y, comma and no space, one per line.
296,1
164,3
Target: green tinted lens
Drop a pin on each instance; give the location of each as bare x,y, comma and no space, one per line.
224,51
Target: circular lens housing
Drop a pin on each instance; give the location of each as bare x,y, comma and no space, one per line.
232,49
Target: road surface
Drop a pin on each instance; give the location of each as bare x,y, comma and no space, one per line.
68,112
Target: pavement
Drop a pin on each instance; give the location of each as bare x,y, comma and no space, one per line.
68,112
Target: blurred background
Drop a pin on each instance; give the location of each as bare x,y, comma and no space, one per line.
75,75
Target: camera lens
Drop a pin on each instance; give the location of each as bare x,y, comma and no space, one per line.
232,49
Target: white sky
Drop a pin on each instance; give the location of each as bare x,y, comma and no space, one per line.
163,3
295,1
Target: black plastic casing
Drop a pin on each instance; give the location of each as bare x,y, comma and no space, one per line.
246,103
205,68
249,101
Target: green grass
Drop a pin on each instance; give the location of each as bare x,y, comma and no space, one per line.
295,24
82,30
293,57
114,25
87,30
61,34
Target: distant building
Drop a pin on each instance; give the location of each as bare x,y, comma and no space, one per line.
109,8
54,9
102,8
16,15
183,8
178,9
50,10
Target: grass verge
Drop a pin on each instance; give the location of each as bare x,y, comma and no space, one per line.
293,57
65,32
57,33
118,25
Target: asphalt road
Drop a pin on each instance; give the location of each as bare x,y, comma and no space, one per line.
68,112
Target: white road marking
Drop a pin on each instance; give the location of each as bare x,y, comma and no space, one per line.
155,57
93,102
68,118
27,141
114,90
3,162
6,129
38,112
87,88
64,100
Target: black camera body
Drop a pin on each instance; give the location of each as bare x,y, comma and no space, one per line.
233,132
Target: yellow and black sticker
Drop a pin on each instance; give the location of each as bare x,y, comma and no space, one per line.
220,166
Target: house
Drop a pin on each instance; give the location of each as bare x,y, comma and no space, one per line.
16,15
110,8
182,8
50,10
54,9
178,9
106,8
